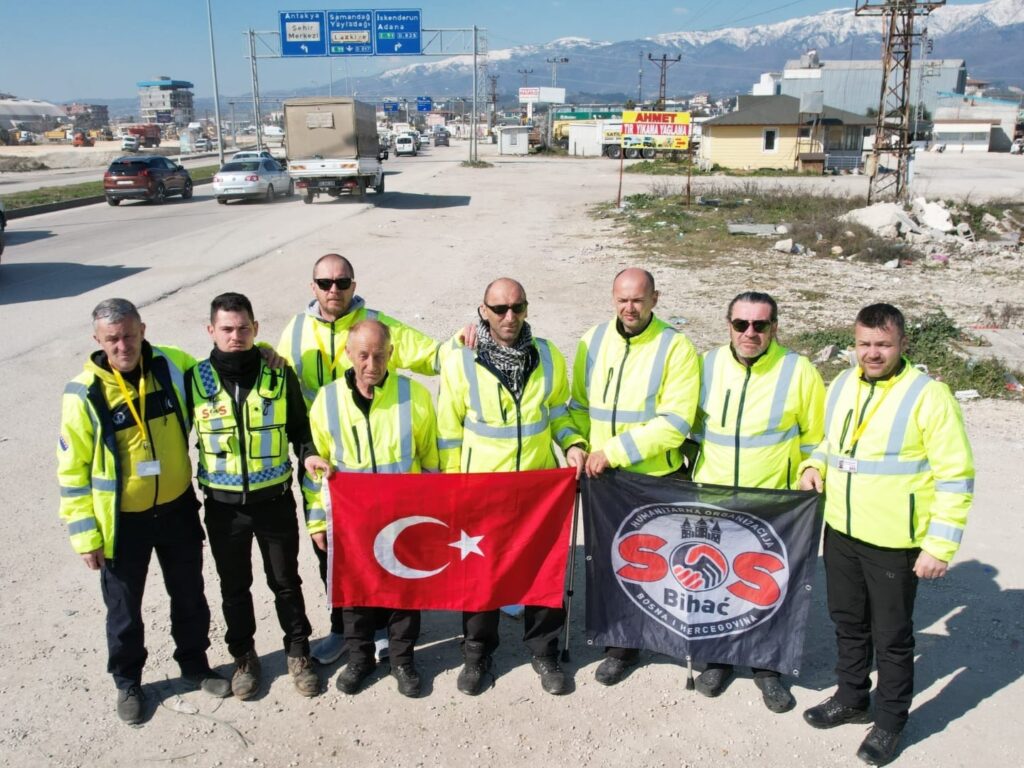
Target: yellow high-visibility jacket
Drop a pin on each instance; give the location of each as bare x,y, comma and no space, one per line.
246,454
317,364
100,446
636,398
756,424
909,480
398,436
483,428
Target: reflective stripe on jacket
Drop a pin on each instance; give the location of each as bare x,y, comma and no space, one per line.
241,455
635,398
914,478
100,445
756,424
398,436
413,350
482,427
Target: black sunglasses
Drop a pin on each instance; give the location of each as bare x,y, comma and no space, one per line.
501,309
325,283
760,326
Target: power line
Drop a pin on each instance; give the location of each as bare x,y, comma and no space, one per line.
663,63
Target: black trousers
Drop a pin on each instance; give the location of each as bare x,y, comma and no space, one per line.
362,623
337,619
173,531
272,523
871,593
541,628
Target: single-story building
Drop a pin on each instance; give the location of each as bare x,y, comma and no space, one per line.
964,135
772,132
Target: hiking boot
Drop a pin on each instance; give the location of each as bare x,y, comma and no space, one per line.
613,670
408,679
245,682
552,678
129,704
833,712
774,693
471,678
879,746
328,649
712,681
306,681
209,682
353,676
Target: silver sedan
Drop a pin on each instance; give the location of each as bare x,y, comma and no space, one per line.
259,178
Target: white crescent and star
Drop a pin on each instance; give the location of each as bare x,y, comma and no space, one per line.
384,547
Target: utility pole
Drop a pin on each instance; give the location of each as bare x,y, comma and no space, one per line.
526,75
892,148
663,63
255,90
640,82
554,68
494,97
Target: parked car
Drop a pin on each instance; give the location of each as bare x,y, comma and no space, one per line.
145,177
405,145
3,226
441,140
257,177
203,144
129,143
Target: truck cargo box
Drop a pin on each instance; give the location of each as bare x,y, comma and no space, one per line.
330,128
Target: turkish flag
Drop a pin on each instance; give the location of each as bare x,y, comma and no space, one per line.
468,542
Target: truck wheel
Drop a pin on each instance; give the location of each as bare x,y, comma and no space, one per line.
649,153
614,151
361,187
632,153
379,188
308,198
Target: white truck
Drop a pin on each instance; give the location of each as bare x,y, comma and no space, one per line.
332,148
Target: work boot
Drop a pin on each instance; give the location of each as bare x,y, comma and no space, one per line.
328,649
354,675
129,704
209,682
879,746
306,681
712,681
833,712
552,678
471,678
245,682
613,670
408,679
774,693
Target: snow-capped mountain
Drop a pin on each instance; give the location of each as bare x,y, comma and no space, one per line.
988,36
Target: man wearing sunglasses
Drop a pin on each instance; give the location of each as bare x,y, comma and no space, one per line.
761,413
500,409
314,343
634,393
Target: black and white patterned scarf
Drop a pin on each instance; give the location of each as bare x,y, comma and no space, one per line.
511,361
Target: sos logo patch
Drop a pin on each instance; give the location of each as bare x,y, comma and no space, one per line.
700,570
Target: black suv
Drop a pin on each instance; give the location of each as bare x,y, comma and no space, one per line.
145,177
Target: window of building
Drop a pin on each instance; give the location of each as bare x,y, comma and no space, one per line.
805,131
770,140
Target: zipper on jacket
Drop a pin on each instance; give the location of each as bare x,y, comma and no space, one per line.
912,527
469,458
242,419
853,451
334,368
519,433
369,442
725,408
359,448
739,419
618,386
789,474
608,383
501,403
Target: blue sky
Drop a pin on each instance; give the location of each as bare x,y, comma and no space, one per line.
63,50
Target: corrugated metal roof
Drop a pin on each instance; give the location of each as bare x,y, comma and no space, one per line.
27,110
164,84
782,110
876,64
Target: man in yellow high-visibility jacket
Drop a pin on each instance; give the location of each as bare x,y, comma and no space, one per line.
635,383
761,412
313,343
373,420
501,409
898,476
126,492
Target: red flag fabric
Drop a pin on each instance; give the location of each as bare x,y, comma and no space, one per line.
468,542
